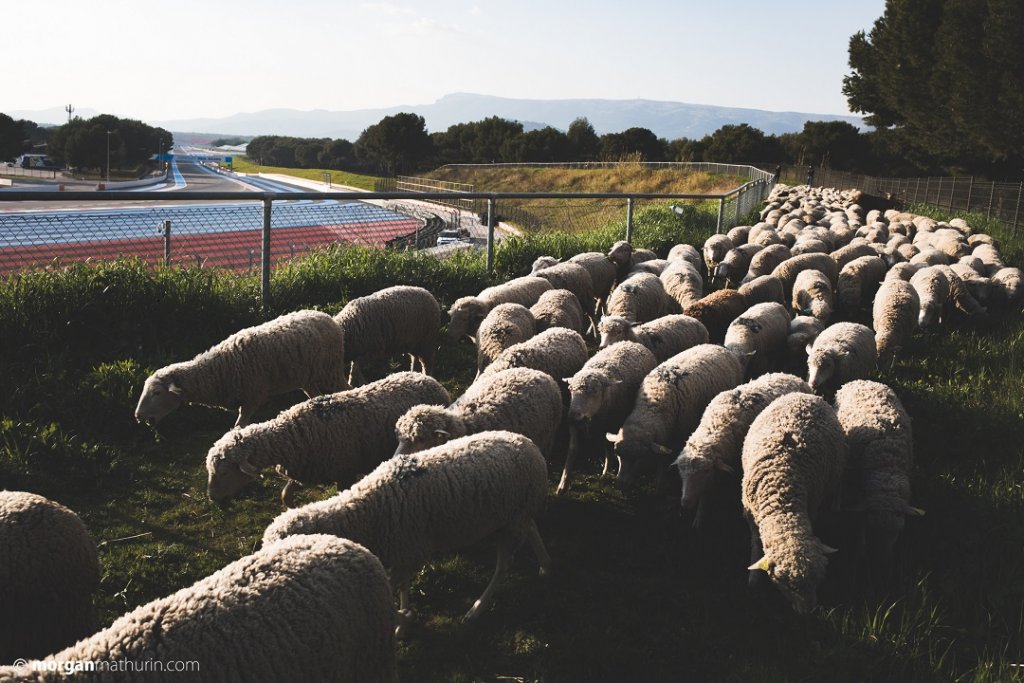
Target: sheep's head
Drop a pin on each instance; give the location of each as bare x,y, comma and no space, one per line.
797,574
821,366
227,466
637,455
542,262
426,426
697,474
465,316
930,312
613,329
587,391
161,395
620,253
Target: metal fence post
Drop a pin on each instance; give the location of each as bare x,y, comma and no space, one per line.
721,214
1016,211
167,242
268,205
917,186
970,191
927,188
490,234
991,195
629,219
739,198
951,191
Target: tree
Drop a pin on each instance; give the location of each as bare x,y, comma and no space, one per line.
740,143
950,74
836,144
543,145
337,154
583,141
397,144
13,136
635,141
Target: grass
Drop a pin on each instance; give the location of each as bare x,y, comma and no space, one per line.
243,164
635,595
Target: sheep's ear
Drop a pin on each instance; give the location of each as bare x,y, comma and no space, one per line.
247,469
725,467
827,549
661,450
175,389
764,564
912,511
442,434
613,438
567,379
808,349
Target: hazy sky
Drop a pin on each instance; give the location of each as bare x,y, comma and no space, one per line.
210,58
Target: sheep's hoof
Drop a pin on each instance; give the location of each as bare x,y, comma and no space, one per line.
473,612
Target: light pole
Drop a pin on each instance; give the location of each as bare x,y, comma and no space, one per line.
108,155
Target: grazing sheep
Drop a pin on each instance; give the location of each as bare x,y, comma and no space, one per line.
415,506
894,317
851,251
686,252
639,299
880,439
803,330
793,458
790,268
302,350
715,249
332,439
930,257
735,264
398,319
602,393
467,313
716,311
901,271
717,442
758,338
624,256
573,277
858,282
49,570
668,406
504,325
812,295
809,245
737,236
1007,290
309,608
654,266
542,262
990,258
765,237
939,288
558,308
841,353
558,352
762,289
664,337
602,274
682,282
982,238
519,400
765,261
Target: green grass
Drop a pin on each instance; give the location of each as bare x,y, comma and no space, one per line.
242,164
635,594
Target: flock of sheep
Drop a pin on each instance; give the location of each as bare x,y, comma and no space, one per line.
728,384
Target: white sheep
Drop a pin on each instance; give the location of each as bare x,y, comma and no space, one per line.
736,262
654,266
602,393
803,330
790,268
717,442
503,326
558,308
812,295
519,400
393,320
737,236
761,289
415,506
715,249
639,299
879,435
624,256
894,317
765,261
466,314
48,571
758,338
1007,288
858,282
793,459
664,337
302,350
558,352
841,353
308,608
668,406
682,282
331,439
901,271
602,274
686,252
851,251
573,277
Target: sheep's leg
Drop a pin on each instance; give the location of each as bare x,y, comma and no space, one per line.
356,376
404,615
570,459
537,544
755,578
504,555
312,391
288,493
245,411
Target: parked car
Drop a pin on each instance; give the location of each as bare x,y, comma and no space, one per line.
448,237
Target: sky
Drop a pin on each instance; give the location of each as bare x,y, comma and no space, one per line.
160,61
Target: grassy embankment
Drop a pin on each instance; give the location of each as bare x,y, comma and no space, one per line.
243,164
635,595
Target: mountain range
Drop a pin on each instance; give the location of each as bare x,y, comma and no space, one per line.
668,120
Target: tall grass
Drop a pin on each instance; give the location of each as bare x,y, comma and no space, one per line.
363,182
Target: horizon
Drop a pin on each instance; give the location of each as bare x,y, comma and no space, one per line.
218,61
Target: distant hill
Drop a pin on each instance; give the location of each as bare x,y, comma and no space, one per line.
669,120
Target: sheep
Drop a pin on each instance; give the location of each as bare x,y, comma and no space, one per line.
881,453
308,608
716,311
851,251
715,249
668,406
654,266
558,352
758,338
764,261
48,571
803,330
686,252
519,400
793,459
558,308
812,295
682,282
664,337
573,277
302,350
809,245
737,236
765,237
930,257
329,439
841,353
939,287
504,325
602,274
858,282
400,319
982,238
894,317
418,505
1007,288
761,289
602,393
624,256
735,264
639,299
466,314
901,271
790,268
717,442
